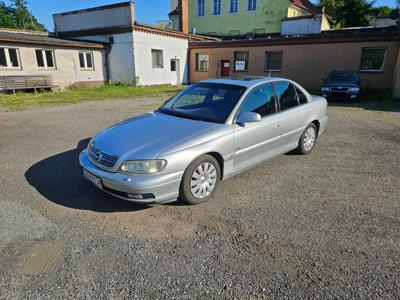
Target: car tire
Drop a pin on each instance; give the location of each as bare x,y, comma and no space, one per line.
200,180
307,140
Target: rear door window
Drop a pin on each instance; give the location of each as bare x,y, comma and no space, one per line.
302,97
287,95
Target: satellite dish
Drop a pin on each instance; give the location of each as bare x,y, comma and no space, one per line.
394,14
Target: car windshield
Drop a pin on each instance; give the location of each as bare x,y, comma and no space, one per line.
210,102
343,77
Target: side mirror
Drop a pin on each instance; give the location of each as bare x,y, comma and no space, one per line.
248,117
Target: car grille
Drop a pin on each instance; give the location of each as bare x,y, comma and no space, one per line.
339,89
101,157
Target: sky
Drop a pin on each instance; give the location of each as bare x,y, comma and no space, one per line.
147,11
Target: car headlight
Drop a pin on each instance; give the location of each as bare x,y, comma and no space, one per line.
143,166
325,89
354,90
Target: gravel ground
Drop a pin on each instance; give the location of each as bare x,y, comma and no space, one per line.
319,226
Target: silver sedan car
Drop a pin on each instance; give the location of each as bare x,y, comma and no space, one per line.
210,131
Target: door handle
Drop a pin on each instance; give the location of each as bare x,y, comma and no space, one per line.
277,125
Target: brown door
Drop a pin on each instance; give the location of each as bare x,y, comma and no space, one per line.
225,68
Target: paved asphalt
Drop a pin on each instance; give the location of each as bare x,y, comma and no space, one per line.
319,226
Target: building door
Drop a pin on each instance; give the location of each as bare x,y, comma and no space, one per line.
175,68
225,68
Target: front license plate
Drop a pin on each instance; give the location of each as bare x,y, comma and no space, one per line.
94,179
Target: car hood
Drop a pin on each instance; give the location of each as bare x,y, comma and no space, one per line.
147,136
341,84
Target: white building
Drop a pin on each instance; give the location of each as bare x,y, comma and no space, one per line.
137,52
34,60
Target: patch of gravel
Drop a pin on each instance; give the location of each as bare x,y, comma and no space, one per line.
19,221
318,226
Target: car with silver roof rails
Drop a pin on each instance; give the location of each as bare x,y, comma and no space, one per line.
210,131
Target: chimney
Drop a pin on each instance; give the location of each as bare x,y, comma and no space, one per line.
184,16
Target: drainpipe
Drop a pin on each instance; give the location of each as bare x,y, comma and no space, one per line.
106,56
188,64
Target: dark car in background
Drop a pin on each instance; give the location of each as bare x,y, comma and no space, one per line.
341,86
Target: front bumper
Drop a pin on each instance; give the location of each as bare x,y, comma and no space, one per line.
157,188
340,96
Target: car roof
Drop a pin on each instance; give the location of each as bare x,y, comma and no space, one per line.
246,81
354,72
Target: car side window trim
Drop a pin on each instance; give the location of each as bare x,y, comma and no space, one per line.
277,100
297,89
250,92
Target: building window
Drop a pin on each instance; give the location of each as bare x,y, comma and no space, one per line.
202,62
201,8
45,59
173,65
216,9
9,58
251,5
273,60
157,59
372,59
3,58
234,6
86,60
241,60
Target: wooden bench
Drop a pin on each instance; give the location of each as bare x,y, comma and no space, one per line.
35,82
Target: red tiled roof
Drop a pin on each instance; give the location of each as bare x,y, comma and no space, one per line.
308,6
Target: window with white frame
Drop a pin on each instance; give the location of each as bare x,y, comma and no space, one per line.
86,60
372,59
251,5
234,6
241,61
216,8
45,59
201,8
157,59
9,58
202,62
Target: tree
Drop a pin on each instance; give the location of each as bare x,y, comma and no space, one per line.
353,13
18,16
6,16
382,11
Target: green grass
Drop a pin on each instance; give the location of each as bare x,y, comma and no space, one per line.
75,95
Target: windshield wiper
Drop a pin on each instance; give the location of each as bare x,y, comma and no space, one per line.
179,114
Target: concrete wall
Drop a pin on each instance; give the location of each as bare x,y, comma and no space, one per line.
306,64
303,25
67,72
121,57
382,22
173,48
95,18
267,18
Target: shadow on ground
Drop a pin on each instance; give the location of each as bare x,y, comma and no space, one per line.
385,107
58,178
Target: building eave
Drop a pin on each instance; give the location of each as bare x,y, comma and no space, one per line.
136,27
298,40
